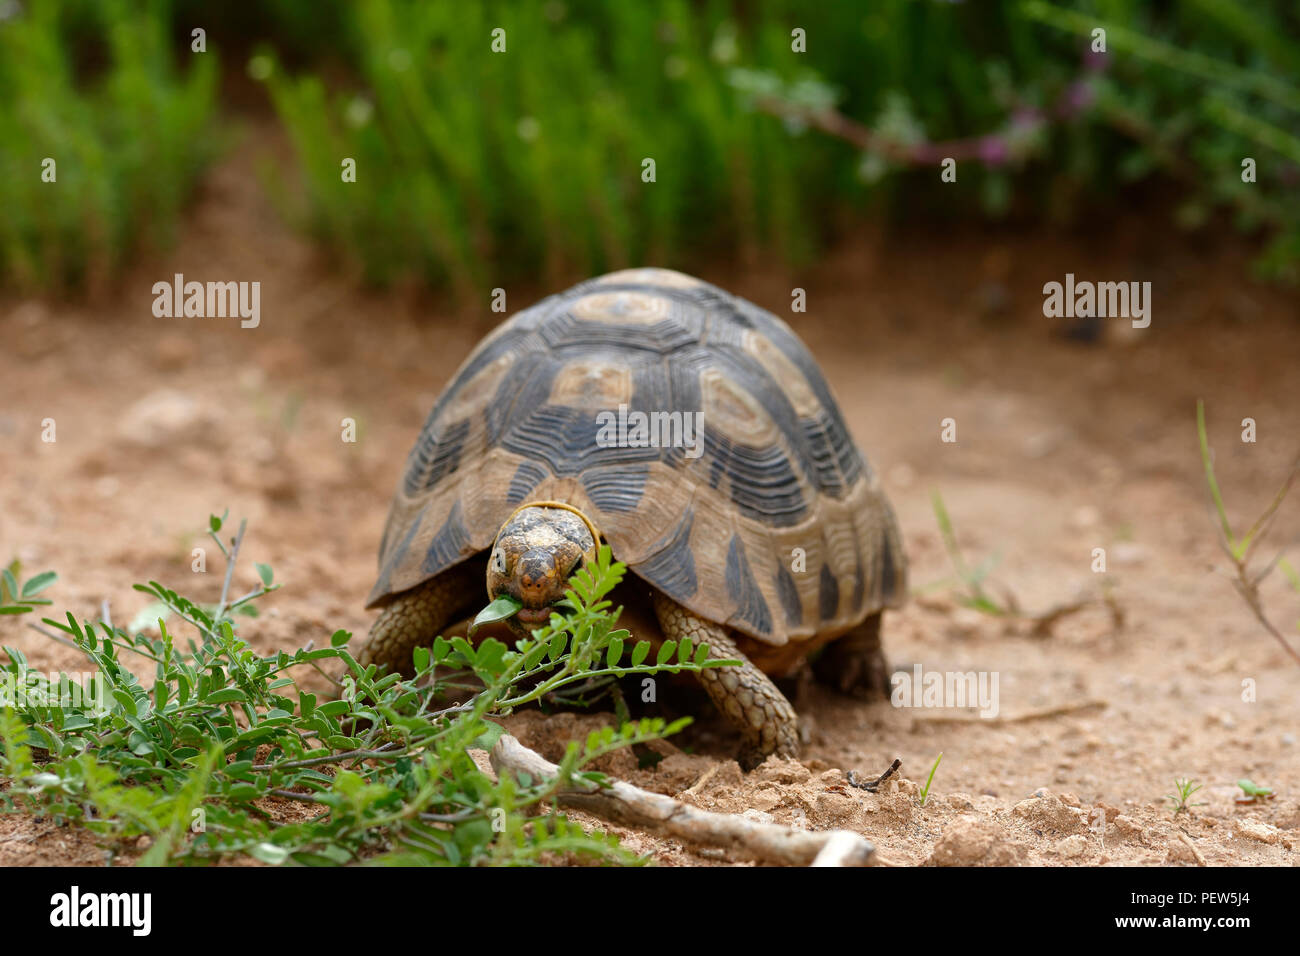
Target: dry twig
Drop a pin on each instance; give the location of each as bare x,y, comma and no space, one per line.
634,807
872,786
966,717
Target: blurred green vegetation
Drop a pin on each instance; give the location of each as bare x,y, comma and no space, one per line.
93,85
475,168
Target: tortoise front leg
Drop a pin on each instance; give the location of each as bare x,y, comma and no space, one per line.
415,617
855,663
744,694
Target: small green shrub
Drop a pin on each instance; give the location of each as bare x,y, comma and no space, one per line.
1185,789
186,758
93,86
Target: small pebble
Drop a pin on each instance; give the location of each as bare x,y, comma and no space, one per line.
902,475
1085,517
1255,830
1127,553
1073,847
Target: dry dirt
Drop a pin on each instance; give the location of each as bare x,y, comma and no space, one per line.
1062,448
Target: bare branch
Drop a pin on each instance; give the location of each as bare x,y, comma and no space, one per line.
632,806
230,570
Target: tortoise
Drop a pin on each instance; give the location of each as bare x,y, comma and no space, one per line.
748,510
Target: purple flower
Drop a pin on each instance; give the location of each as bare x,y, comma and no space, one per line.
1078,96
1025,117
993,150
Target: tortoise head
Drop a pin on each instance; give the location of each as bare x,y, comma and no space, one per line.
536,551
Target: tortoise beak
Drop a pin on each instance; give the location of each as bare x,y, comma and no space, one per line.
533,616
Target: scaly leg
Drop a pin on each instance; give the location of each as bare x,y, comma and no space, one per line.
855,664
415,617
744,694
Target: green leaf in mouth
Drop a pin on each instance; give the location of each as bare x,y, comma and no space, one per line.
503,607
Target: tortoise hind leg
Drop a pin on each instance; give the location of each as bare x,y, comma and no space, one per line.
415,617
855,663
744,694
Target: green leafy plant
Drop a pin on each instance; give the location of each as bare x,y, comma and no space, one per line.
1185,790
199,759
1253,793
501,609
16,599
925,792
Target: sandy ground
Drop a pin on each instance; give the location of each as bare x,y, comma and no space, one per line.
1062,448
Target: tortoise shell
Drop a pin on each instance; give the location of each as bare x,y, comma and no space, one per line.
769,521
